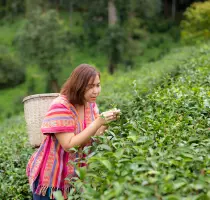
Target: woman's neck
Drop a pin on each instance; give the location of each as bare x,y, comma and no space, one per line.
81,111
79,106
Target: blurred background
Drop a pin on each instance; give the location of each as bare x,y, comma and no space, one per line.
42,41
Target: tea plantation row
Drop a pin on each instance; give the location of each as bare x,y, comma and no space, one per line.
157,150
160,148
14,154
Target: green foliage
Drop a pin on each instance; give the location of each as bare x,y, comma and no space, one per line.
14,154
95,20
140,8
148,8
195,26
95,16
77,32
134,31
10,9
164,26
135,28
44,40
32,6
11,101
113,43
160,147
8,31
11,71
158,45
146,76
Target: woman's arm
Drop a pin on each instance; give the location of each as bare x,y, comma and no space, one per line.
69,140
101,130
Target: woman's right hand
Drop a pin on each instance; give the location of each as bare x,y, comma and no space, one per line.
109,116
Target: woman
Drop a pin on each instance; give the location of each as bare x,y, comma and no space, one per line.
71,120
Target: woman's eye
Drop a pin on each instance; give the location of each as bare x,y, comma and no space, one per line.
89,87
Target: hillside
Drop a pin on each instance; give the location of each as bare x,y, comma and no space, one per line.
158,150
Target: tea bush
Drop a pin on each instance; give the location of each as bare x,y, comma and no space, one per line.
195,26
117,89
160,147
157,150
14,154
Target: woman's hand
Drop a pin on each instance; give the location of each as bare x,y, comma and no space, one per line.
107,117
110,116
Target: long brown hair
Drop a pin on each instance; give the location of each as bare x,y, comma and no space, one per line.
75,86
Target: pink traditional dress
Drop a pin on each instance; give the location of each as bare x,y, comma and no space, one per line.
50,163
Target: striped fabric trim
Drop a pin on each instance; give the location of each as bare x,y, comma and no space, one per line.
58,119
58,130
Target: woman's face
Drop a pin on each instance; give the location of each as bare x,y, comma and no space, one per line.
93,89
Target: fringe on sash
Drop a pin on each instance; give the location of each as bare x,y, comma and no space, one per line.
42,190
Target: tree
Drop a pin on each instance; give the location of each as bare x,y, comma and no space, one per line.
44,40
113,53
114,40
12,72
195,26
113,45
32,6
11,8
112,13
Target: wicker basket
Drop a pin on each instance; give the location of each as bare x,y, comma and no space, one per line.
35,108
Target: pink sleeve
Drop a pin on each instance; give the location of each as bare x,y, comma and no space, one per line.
59,119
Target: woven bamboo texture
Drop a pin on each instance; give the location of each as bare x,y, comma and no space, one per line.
35,108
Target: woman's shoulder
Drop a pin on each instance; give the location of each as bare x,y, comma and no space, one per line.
61,100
